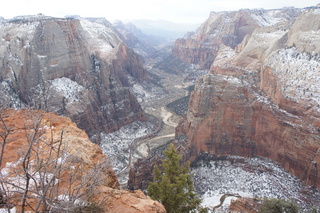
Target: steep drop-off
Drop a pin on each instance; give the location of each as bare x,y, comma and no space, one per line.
262,99
227,117
62,164
74,67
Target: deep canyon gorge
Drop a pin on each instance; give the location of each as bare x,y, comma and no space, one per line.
239,97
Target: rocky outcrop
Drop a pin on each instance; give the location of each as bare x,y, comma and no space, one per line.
142,171
62,157
73,67
229,29
293,69
244,205
227,117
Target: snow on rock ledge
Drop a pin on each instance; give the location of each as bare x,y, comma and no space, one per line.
298,74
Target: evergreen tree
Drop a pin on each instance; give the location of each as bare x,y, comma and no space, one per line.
173,186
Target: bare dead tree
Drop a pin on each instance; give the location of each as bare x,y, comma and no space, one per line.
4,133
49,175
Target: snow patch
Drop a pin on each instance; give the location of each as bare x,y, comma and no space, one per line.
71,90
9,96
99,37
298,73
5,210
116,145
266,18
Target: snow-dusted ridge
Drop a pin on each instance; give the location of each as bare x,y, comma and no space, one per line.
100,37
267,18
298,73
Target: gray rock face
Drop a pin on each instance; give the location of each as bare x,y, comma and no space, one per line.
136,39
72,67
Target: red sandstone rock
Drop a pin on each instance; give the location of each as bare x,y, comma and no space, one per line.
227,117
243,205
79,155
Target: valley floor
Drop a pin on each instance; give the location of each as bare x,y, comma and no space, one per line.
139,139
214,179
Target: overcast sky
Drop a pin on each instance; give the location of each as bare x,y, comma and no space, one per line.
180,11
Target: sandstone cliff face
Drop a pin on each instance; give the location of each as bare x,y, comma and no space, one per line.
271,107
228,28
261,98
76,68
295,68
227,117
81,165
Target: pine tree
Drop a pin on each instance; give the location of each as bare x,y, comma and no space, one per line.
173,186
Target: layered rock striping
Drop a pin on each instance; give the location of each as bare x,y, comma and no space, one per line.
227,117
262,96
262,99
74,67
229,29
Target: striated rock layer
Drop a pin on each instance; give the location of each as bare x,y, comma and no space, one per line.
74,67
227,28
262,96
262,99
79,172
227,117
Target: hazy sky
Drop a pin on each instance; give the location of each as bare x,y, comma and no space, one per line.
181,11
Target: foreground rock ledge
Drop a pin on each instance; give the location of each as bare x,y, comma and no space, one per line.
51,130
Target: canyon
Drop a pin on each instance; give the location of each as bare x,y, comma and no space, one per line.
261,97
239,98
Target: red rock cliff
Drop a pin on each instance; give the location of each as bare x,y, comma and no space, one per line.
227,117
81,166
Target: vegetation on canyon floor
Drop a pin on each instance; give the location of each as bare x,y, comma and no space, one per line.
173,185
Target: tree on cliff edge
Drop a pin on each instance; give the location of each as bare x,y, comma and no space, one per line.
173,186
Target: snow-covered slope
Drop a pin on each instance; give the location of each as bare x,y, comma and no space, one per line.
298,73
250,178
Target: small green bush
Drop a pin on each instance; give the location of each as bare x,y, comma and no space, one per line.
279,206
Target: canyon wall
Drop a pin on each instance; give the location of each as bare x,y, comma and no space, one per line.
141,43
227,117
61,156
228,28
74,67
262,99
